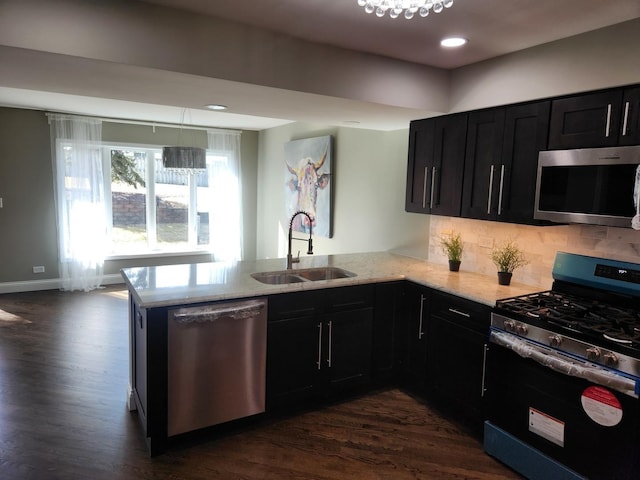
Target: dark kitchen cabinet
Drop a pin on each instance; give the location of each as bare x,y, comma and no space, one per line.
386,324
630,130
319,344
584,121
526,130
435,165
501,162
415,316
457,331
482,166
148,372
292,359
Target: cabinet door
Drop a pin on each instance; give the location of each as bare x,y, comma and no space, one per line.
482,165
585,121
447,169
455,368
630,129
420,159
385,322
417,307
139,358
293,356
347,353
457,333
525,135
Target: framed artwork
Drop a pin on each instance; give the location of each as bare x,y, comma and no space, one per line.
308,184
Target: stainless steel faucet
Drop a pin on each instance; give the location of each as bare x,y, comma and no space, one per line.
290,259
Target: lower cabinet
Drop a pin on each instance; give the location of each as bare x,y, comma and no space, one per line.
415,316
457,332
319,344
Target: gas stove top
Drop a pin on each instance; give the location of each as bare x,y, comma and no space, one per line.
592,312
603,323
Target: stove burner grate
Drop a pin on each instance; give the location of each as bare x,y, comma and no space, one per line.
592,318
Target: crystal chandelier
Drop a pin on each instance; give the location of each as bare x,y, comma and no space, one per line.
409,7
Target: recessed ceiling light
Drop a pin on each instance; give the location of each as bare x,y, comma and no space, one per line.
451,42
217,107
351,122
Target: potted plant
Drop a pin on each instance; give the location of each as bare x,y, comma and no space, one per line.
507,258
452,247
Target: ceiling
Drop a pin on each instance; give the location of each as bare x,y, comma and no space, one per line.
493,28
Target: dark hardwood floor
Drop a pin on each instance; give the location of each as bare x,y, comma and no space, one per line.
63,415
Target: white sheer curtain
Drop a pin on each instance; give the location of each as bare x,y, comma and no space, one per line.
80,200
225,209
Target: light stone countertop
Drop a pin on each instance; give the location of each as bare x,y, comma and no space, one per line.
170,285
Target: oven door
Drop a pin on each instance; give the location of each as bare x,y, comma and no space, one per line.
564,412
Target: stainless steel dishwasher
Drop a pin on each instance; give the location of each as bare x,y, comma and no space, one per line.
216,363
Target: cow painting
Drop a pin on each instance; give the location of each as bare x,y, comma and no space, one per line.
307,179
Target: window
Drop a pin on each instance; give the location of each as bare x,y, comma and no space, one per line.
125,191
153,209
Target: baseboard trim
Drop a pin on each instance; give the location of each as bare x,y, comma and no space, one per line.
50,284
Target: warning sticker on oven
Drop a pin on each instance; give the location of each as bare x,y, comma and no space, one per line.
546,426
602,406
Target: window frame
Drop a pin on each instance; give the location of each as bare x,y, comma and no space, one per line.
152,249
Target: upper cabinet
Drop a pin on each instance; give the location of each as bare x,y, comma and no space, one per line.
602,119
501,162
435,165
630,130
482,163
526,130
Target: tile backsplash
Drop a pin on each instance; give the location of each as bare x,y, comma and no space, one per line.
539,244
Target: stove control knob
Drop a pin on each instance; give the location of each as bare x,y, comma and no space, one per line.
610,359
509,325
521,329
555,340
593,353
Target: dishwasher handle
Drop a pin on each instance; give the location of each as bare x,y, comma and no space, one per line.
213,313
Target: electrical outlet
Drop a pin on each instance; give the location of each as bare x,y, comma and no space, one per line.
38,269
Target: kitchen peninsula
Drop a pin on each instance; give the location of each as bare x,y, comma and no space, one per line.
367,318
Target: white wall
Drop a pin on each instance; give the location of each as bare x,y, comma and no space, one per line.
369,176
600,59
371,166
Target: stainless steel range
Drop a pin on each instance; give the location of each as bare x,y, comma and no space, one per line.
563,374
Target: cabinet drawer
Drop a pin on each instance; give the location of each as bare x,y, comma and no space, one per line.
296,304
349,298
461,311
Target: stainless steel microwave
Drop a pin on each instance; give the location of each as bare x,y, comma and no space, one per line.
592,185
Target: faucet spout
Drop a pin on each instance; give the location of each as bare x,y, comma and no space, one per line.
290,259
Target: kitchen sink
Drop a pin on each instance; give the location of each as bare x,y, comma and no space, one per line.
302,275
276,278
324,273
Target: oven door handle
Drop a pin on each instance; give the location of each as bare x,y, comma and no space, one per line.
565,365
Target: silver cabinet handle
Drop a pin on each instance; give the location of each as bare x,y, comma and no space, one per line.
484,368
490,189
458,312
319,362
606,130
424,187
433,184
501,188
420,332
330,342
626,118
